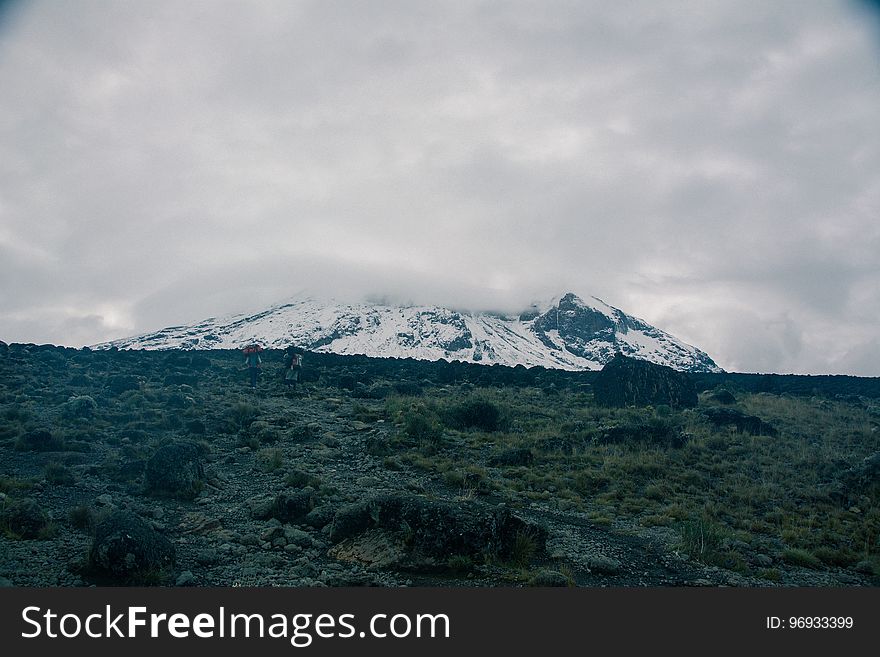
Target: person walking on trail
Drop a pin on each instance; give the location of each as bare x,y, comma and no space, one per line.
253,361
292,365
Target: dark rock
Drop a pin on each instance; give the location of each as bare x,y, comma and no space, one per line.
723,396
120,383
186,578
575,322
23,518
653,432
431,530
320,517
175,470
513,457
4,348
293,506
377,446
39,440
629,382
744,423
602,565
549,578
128,550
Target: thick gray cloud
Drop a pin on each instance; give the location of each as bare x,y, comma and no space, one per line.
713,168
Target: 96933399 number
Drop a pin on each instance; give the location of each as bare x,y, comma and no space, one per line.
810,623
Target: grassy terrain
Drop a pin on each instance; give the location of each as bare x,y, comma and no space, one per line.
727,494
759,505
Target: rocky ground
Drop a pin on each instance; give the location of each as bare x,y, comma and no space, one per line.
280,488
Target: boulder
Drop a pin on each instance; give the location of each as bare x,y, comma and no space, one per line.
129,550
293,506
513,457
722,396
175,470
744,423
415,532
119,383
39,440
546,577
653,432
630,382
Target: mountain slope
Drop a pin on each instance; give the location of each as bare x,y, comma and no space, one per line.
566,333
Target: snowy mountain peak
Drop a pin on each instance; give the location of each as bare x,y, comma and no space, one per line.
564,333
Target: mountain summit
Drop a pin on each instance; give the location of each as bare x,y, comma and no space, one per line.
565,333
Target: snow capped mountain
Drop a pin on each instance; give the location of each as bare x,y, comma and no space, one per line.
565,333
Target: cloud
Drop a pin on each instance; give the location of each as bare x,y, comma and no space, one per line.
161,162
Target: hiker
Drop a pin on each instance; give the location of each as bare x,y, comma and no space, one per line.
253,361
292,366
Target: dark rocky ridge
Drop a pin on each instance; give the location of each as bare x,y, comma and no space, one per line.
630,382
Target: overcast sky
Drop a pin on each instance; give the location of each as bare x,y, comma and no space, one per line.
712,167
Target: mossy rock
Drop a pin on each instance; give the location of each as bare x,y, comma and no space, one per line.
434,529
744,423
39,440
130,551
630,382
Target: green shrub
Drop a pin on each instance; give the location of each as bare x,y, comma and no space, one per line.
523,549
82,517
701,539
242,414
590,482
836,556
869,566
58,474
475,414
421,425
270,459
80,407
460,563
663,410
14,484
772,574
24,519
800,557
